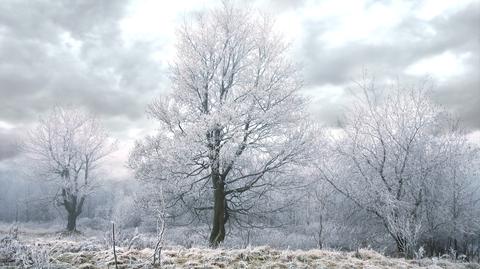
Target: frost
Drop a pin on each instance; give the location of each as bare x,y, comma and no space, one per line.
82,252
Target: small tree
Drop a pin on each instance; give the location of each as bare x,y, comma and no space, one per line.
452,212
232,127
160,215
388,157
65,147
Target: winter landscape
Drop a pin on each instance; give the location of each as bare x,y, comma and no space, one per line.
239,134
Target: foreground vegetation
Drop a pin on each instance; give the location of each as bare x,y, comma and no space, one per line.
43,249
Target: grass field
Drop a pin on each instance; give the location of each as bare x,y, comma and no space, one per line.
41,248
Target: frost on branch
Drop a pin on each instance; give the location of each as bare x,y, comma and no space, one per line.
399,156
65,148
233,126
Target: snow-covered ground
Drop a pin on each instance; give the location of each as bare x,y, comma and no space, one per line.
44,249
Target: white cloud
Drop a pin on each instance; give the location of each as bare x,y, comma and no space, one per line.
441,67
429,9
5,125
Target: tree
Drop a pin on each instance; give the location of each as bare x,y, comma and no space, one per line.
452,213
66,147
232,126
462,193
388,157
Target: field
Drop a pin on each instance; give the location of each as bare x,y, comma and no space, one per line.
42,248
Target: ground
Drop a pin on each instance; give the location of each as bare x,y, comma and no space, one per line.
41,249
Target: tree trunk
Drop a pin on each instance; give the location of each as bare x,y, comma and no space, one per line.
402,246
73,208
219,216
72,222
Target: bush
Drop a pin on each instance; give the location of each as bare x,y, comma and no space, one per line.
13,252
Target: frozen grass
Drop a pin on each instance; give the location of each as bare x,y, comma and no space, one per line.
44,246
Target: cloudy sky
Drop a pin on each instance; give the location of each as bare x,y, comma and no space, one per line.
111,57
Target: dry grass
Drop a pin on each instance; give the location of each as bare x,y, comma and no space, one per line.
83,252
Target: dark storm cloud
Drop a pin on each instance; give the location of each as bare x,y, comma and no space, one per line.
462,96
410,41
42,62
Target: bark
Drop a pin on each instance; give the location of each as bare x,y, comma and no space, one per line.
402,246
72,222
220,216
73,208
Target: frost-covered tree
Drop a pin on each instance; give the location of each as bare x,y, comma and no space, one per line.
65,148
452,210
393,146
231,128
461,194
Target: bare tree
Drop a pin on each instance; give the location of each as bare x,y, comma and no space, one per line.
452,211
232,126
66,147
387,158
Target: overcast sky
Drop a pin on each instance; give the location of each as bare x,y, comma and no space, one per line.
111,57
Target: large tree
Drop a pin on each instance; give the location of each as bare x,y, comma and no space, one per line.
65,148
231,127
